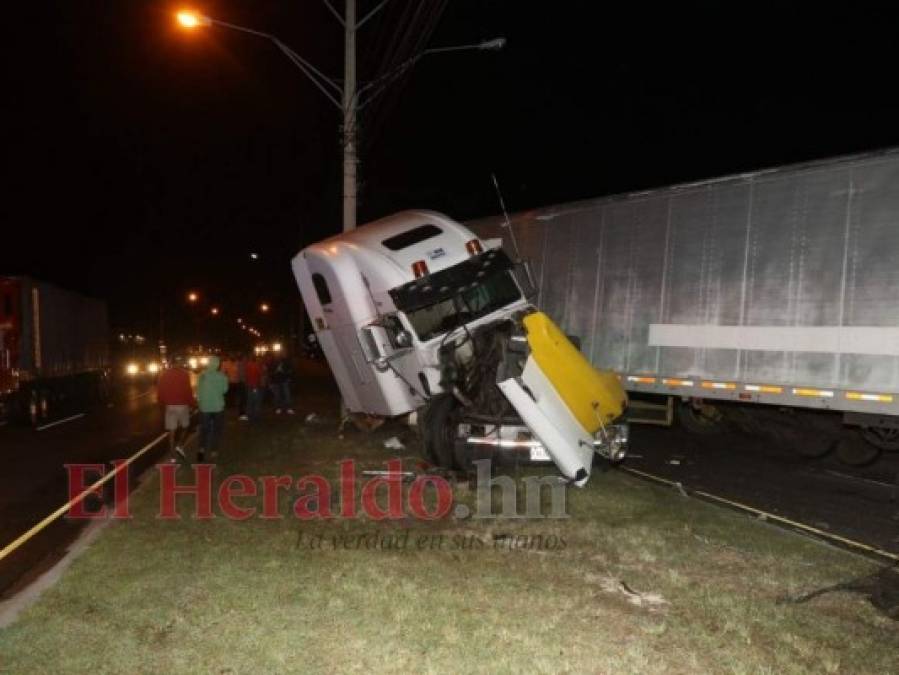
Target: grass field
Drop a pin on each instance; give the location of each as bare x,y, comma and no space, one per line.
638,580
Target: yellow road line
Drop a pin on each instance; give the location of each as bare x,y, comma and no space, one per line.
12,546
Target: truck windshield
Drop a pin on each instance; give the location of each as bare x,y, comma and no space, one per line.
466,304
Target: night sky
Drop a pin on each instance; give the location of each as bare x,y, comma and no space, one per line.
143,161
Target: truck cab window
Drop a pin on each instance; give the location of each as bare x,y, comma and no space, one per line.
321,289
468,303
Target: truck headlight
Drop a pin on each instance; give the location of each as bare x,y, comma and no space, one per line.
611,441
152,367
132,369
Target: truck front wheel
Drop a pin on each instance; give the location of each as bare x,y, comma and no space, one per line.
439,431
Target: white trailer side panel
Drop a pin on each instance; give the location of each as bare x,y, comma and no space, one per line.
786,277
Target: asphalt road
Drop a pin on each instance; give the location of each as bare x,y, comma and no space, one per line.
851,502
33,482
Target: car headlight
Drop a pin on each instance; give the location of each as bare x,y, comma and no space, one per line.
152,368
132,369
204,360
193,363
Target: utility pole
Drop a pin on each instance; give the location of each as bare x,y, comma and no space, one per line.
349,102
349,118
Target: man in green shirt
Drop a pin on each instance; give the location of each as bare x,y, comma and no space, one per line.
211,389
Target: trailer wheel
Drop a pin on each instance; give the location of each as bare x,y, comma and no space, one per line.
815,446
854,450
439,432
699,417
882,437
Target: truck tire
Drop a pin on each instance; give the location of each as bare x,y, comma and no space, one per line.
439,432
854,450
882,437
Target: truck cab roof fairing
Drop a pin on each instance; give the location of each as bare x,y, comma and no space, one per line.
366,245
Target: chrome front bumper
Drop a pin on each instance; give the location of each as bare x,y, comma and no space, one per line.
610,442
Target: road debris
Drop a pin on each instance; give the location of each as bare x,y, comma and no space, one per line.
393,443
653,602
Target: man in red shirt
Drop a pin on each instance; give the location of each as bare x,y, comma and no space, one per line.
254,384
173,390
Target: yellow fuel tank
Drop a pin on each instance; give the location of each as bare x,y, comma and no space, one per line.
594,397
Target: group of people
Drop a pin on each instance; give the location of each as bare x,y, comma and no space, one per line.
236,381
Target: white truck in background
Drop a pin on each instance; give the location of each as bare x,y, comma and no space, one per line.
419,317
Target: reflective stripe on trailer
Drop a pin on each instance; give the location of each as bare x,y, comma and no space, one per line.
882,403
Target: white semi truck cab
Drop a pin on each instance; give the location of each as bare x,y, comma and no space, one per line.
417,316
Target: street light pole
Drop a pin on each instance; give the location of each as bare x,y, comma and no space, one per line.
350,103
350,184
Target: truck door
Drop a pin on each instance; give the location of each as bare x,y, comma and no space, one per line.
328,313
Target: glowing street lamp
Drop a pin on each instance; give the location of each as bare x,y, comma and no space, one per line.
193,296
264,307
189,19
214,311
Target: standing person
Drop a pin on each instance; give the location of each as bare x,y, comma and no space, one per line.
211,389
173,390
279,374
254,386
229,368
241,386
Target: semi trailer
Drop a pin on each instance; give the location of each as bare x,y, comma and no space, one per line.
421,319
755,300
53,351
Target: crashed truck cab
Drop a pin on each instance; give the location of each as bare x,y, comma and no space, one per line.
417,316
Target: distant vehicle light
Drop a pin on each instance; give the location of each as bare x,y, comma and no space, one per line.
193,363
152,368
204,360
276,346
132,369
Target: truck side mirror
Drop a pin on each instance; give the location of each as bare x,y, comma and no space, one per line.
380,342
403,339
400,338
